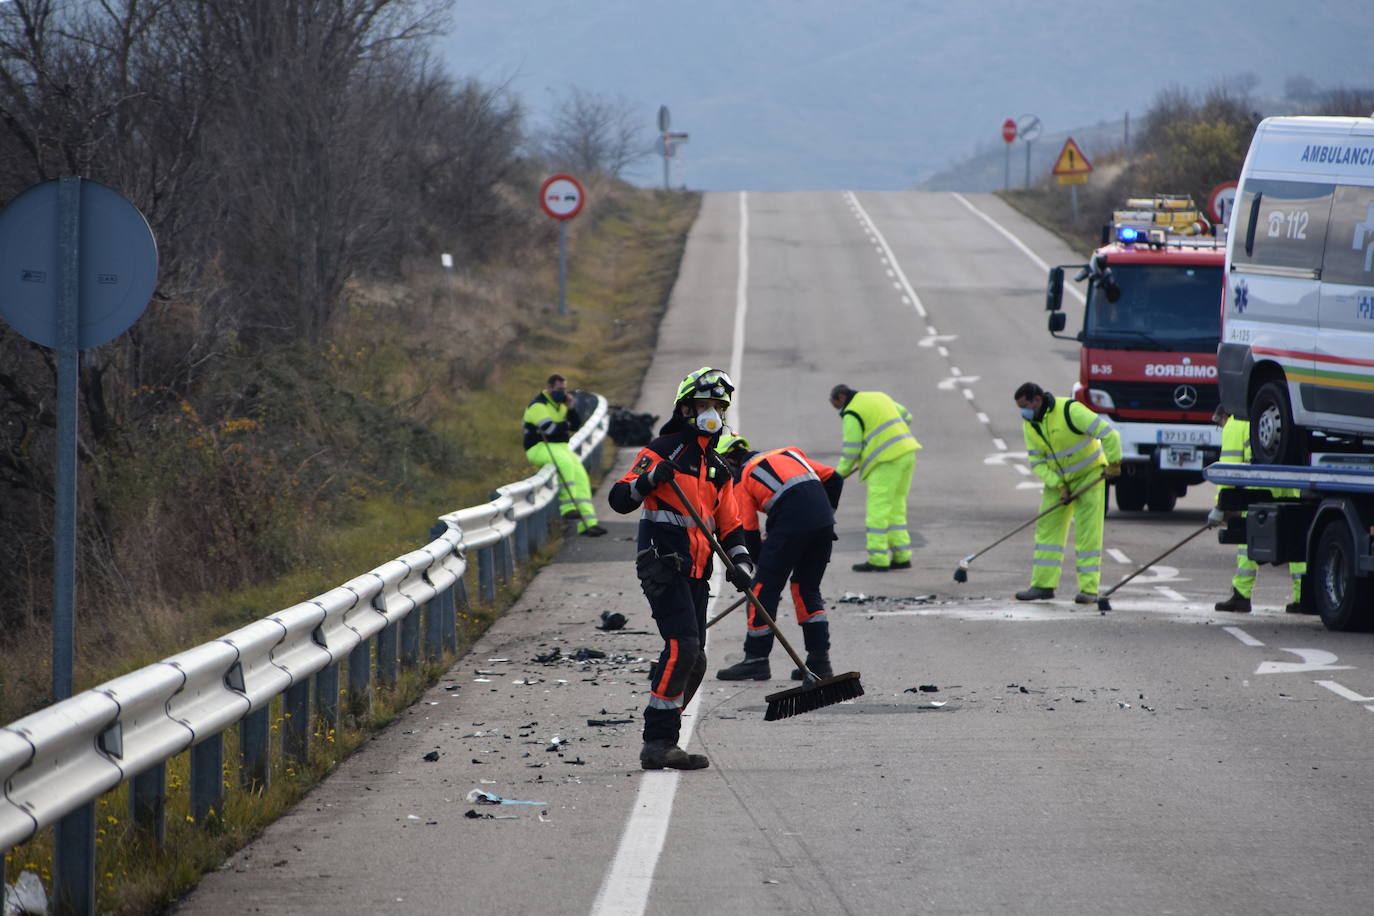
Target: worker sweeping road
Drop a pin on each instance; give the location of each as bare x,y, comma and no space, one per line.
674,558
549,423
878,444
1068,445
799,495
1235,448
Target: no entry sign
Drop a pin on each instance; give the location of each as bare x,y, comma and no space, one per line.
561,196
1009,130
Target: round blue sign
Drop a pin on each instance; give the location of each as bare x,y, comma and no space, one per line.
117,259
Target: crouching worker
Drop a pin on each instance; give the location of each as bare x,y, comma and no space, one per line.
799,495
674,559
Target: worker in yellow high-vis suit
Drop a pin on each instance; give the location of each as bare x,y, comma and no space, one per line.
549,423
878,444
1069,446
1235,448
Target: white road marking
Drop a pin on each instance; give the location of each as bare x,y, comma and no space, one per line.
949,384
968,394
1169,593
1312,660
943,351
1020,245
932,339
1022,470
931,330
983,418
1001,445
887,249
954,370
1243,636
1028,485
1341,690
1118,556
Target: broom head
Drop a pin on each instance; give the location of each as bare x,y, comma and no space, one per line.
814,694
1104,605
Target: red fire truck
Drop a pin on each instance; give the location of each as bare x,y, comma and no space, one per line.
1151,324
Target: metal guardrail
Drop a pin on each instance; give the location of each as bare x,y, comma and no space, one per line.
56,762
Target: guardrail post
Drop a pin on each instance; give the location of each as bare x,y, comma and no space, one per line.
360,679
486,575
386,655
74,861
255,749
522,539
327,695
295,726
505,563
435,611
458,597
148,802
207,777
410,638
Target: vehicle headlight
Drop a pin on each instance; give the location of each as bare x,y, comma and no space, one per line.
1101,399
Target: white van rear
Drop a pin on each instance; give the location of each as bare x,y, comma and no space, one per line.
1297,342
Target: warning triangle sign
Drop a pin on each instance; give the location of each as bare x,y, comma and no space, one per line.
1071,161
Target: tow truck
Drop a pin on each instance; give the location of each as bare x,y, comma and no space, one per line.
1151,325
1329,525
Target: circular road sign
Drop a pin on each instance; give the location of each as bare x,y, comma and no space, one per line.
117,264
561,196
1220,202
1008,130
1028,128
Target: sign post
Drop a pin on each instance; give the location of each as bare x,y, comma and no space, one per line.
1028,129
561,197
78,265
1072,168
1008,137
1220,203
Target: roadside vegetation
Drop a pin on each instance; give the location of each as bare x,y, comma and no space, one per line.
1189,142
309,387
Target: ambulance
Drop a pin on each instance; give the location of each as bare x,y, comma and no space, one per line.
1296,356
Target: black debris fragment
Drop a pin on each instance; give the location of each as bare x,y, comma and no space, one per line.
584,654
431,757
595,722
549,657
611,620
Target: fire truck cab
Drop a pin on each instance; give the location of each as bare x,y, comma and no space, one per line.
1151,324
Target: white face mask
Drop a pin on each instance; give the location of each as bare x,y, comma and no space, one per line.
709,421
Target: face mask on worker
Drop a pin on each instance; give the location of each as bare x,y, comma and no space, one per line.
558,397
1028,413
710,421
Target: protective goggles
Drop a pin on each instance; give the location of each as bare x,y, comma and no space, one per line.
713,384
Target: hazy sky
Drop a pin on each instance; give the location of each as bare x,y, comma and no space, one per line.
826,94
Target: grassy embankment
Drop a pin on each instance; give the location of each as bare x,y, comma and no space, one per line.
468,393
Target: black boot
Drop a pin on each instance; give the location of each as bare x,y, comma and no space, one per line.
751,669
818,665
661,755
1236,604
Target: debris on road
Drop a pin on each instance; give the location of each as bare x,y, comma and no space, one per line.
611,620
483,797
431,757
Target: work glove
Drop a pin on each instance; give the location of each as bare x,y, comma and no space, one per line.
662,472
547,426
1112,470
1216,518
1064,491
741,576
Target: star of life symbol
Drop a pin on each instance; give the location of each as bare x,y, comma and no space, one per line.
1242,296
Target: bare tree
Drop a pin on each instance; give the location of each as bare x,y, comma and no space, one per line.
592,134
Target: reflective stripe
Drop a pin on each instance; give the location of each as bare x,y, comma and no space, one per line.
1050,548
1098,424
658,702
671,517
1085,554
1042,562
1080,465
893,441
869,437
791,482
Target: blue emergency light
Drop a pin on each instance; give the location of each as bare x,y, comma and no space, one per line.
1128,234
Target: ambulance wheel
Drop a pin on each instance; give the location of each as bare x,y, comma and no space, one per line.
1273,437
1341,597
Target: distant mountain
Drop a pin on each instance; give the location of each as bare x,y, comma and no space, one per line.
813,94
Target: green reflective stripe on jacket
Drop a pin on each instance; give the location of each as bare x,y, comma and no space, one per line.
880,428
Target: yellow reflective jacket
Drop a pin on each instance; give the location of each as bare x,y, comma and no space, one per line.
1070,443
876,429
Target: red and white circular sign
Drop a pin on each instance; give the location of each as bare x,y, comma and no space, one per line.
1220,202
561,196
1008,130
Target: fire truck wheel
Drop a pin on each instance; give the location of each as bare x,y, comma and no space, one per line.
1130,494
1341,597
1161,497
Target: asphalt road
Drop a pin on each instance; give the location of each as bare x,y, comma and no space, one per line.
1160,758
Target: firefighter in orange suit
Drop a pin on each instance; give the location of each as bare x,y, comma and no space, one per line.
674,558
799,495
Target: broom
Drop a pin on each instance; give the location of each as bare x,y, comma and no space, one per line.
716,619
815,692
1104,605
961,574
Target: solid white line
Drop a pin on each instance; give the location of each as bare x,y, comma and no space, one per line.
1341,690
626,887
886,249
1243,636
1035,258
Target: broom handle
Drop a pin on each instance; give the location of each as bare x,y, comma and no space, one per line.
1111,591
1063,501
729,566
548,446
716,619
